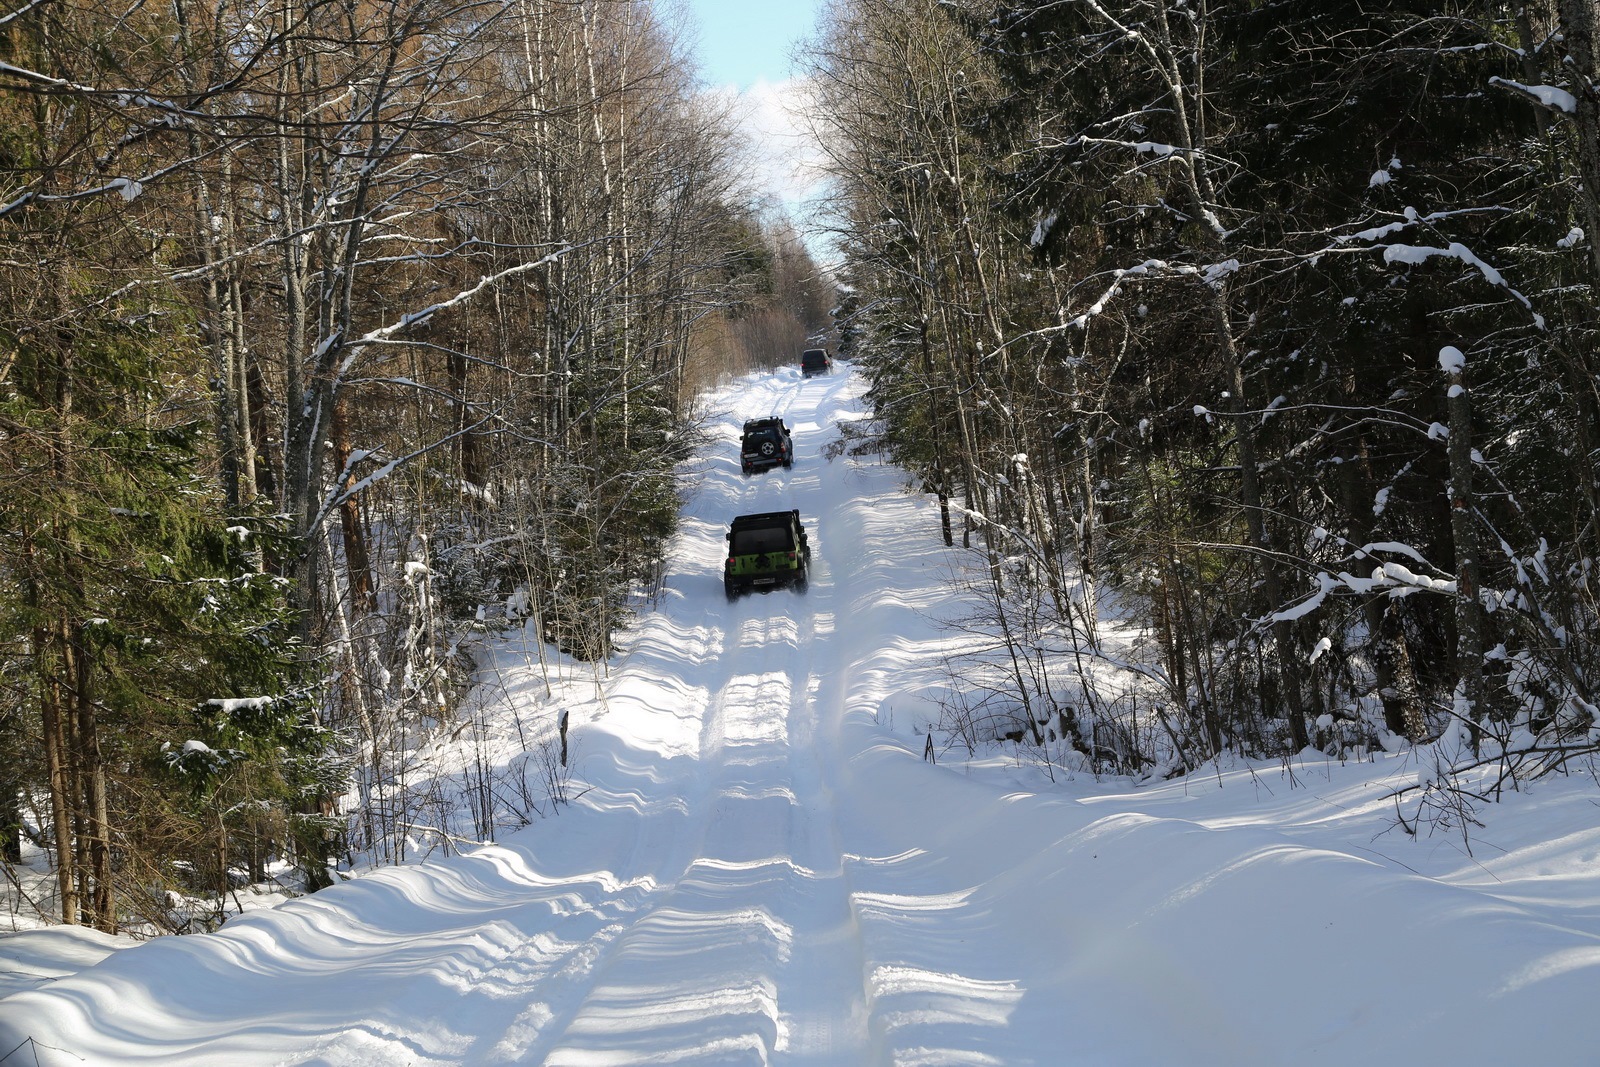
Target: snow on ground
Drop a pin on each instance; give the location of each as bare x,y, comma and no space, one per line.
758,867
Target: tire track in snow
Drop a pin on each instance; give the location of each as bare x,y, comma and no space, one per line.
689,980
564,1028
822,985
754,954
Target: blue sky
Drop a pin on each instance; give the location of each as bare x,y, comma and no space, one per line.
745,41
744,49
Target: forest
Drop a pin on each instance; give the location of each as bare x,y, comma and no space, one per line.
334,334
338,334
1267,326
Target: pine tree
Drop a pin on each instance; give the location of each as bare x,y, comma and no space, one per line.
138,603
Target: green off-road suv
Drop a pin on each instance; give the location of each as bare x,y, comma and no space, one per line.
766,551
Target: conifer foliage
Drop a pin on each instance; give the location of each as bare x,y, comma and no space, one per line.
1262,326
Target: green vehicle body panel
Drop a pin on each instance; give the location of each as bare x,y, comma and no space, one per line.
767,549
763,563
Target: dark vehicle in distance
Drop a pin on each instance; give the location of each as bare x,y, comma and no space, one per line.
765,443
815,361
765,551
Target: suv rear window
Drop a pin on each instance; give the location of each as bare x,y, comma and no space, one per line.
771,539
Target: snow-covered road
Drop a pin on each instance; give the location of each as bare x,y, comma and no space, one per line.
759,868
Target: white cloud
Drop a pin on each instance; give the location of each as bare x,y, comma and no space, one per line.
785,160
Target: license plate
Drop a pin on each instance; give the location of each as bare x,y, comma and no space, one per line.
764,581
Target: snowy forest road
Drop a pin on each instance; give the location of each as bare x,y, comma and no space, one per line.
754,950
698,902
750,950
756,866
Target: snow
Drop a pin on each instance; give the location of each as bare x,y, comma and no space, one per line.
234,705
1401,575
1214,273
1325,585
1155,148
758,867
1550,96
1451,360
1148,267
1041,230
31,957
1416,254
1399,547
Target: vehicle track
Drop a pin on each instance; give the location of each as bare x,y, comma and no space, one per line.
753,954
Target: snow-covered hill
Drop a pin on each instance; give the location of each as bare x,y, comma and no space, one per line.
758,867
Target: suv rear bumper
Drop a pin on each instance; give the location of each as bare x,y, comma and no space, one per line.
749,583
758,462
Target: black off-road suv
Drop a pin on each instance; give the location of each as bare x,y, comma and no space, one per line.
766,443
765,551
815,361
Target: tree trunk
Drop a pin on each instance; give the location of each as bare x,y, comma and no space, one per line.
1578,22
1255,523
97,819
1391,659
58,761
1463,531
357,560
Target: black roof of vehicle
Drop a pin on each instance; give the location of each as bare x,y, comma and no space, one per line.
763,423
764,518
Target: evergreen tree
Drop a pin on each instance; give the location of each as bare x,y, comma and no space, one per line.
136,607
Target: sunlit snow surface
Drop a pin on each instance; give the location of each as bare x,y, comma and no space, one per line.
760,868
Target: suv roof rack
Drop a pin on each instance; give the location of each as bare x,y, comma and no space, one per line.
765,518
